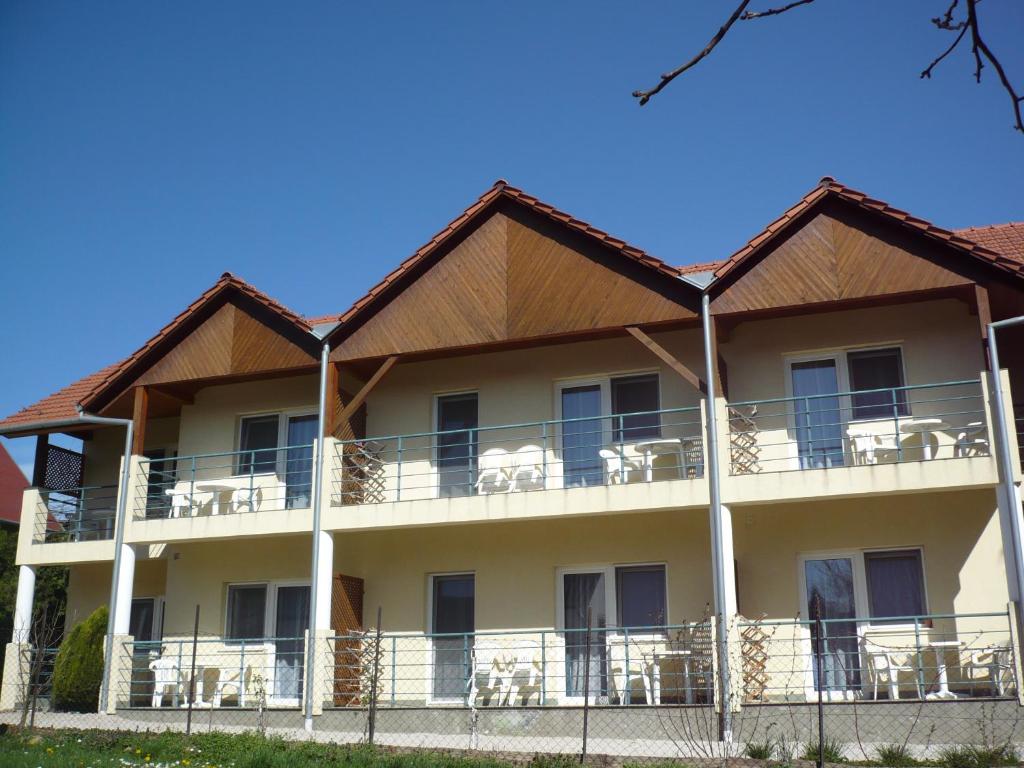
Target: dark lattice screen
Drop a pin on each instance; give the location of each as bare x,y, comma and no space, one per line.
63,469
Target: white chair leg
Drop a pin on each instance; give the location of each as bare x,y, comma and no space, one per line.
894,689
648,693
156,698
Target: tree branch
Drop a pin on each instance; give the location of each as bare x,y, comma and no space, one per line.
928,71
978,44
775,11
668,77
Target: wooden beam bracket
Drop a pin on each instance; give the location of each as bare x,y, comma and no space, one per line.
692,378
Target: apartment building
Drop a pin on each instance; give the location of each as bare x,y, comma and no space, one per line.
521,442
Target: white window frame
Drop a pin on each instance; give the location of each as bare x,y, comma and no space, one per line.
839,356
429,623
862,607
611,599
604,382
283,415
157,627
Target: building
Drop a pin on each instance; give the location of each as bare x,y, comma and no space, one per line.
517,446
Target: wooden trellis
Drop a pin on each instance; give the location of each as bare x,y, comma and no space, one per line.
744,451
755,661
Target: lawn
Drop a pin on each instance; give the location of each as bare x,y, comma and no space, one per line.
99,749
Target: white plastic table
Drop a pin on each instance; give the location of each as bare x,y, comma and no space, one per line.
216,489
681,654
940,647
659,445
924,428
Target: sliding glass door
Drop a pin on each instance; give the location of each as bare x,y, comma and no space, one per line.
584,593
452,624
817,413
582,435
829,587
291,620
298,471
456,444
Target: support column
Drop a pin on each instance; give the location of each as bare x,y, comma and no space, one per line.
23,605
125,589
119,679
1008,507
323,672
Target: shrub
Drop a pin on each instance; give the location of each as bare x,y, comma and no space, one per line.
832,751
977,757
895,756
759,750
78,669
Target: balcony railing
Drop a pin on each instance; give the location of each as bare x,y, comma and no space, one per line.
931,657
77,514
252,673
606,450
897,424
222,483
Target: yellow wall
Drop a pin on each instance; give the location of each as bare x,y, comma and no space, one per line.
958,531
89,586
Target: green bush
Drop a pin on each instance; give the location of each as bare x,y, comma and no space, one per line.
78,670
977,757
895,756
832,751
759,750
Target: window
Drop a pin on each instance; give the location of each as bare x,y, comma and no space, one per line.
247,611
875,369
640,595
258,444
895,583
145,621
635,395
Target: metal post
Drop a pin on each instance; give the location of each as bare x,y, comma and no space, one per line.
371,714
543,668
192,675
544,452
398,479
622,452
586,687
821,681
394,659
917,654
627,697
715,512
896,428
1002,444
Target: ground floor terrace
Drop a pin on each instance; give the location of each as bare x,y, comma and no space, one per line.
507,622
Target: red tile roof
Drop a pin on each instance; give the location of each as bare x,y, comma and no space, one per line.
61,404
502,189
829,186
707,266
12,483
1007,239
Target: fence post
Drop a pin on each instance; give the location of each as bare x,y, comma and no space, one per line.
398,479
821,681
372,709
192,675
394,659
896,427
586,688
544,456
917,655
543,667
622,452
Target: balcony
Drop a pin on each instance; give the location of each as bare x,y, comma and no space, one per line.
505,462
76,514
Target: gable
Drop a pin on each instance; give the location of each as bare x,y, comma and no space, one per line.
229,342
516,276
838,254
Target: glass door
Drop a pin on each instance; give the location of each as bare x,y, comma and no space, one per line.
291,619
582,436
817,413
457,446
829,587
298,471
452,623
582,592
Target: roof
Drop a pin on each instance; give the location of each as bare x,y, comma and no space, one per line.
692,269
61,404
1007,239
501,189
829,187
12,483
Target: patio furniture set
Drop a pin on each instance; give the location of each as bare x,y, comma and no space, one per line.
868,445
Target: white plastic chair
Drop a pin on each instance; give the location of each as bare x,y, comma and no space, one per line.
503,665
166,679
971,441
640,665
616,467
993,663
182,503
492,468
527,468
883,663
865,445
237,680
246,498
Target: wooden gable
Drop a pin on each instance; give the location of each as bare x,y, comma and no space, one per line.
517,276
230,342
837,254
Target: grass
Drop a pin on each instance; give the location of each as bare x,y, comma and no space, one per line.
102,749
759,750
833,751
977,757
895,756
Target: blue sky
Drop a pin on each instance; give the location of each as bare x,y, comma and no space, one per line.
309,147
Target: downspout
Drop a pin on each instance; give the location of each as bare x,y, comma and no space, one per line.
318,470
1002,441
122,504
714,492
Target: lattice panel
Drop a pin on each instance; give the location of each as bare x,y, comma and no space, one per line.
63,469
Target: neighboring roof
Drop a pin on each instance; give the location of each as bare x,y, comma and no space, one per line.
12,484
830,187
1007,239
707,266
500,190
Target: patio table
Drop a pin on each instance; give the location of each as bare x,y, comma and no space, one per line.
659,445
940,647
924,427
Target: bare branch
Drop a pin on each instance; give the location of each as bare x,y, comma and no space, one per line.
946,22
668,77
978,44
775,11
928,71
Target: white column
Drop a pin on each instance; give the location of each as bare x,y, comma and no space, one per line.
1008,507
23,606
728,556
324,581
125,589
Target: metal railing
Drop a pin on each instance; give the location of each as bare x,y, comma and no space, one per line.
1018,427
230,482
624,448
77,514
927,657
667,664
256,673
895,424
